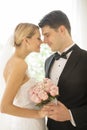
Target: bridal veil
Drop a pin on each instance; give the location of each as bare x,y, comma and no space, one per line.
5,54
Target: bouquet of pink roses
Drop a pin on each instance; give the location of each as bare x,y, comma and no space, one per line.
43,92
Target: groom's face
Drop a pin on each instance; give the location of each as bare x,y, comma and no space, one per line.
52,37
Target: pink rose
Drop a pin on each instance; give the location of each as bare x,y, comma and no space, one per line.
54,90
43,92
35,98
43,95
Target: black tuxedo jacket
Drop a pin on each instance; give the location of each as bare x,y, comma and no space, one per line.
72,89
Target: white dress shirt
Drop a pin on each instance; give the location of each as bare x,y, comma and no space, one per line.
56,71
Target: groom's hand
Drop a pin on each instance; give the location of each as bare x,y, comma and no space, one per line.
58,112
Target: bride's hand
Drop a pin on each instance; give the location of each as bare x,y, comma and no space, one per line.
43,113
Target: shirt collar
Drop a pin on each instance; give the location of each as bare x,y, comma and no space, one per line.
67,48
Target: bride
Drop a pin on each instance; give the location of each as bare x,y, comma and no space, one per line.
16,107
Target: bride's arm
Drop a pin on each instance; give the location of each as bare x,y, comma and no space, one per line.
13,83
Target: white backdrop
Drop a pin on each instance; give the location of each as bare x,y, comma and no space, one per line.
14,11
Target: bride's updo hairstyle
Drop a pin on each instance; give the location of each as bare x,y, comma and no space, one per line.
24,30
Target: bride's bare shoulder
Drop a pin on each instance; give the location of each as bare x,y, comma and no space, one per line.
19,62
15,64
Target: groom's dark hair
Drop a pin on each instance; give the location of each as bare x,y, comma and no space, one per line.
55,19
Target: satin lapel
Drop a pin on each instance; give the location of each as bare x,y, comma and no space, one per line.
49,65
71,63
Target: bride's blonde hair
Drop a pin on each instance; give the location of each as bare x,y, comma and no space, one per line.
23,30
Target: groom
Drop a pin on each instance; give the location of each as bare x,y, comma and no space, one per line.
68,71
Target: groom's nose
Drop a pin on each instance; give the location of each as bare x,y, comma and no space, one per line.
45,40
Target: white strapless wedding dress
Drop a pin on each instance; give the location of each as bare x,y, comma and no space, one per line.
22,100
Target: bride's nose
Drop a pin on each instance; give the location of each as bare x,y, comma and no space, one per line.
41,41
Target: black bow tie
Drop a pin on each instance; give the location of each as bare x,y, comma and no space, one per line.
57,56
63,55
